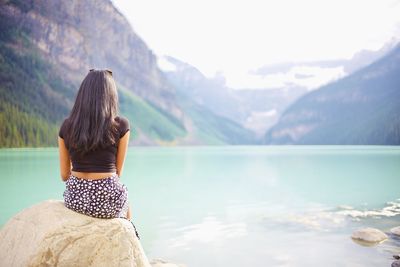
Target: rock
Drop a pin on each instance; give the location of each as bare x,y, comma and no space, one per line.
49,234
369,236
395,230
396,264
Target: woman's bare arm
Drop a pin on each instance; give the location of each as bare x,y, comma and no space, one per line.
65,162
121,152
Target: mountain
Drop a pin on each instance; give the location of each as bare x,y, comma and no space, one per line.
211,107
79,35
46,49
362,108
209,92
262,107
365,57
253,109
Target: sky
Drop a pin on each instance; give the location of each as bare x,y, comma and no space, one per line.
235,38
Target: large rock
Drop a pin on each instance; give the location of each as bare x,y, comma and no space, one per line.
48,234
368,235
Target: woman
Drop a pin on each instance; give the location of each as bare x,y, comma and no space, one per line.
93,142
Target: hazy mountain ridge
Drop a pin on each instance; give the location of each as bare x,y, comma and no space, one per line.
211,93
362,108
254,109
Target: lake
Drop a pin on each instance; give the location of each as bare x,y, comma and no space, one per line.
240,205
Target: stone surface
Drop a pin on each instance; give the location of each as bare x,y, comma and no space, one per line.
395,230
48,234
369,235
396,264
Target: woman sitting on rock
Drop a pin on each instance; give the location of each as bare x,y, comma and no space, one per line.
93,143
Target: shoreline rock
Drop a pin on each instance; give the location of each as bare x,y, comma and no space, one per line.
369,236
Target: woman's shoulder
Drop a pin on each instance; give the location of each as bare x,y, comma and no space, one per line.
122,121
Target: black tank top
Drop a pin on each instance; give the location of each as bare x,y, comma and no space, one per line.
99,160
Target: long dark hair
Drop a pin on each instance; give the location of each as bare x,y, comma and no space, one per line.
91,122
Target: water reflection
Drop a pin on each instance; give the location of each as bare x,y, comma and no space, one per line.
261,235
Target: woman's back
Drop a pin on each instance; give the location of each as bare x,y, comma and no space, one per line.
101,159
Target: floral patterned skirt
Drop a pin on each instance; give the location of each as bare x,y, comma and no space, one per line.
101,198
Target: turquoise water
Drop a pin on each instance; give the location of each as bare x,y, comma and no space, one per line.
240,206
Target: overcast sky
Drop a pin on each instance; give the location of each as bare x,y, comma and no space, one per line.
235,37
